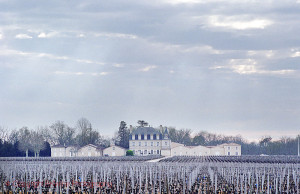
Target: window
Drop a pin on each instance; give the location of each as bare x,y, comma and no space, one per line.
236,153
228,148
235,148
140,143
151,143
136,137
151,151
130,137
133,143
154,136
166,143
114,148
228,153
148,136
157,152
145,143
142,136
160,136
145,152
157,144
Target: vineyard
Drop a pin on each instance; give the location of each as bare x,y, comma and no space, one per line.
181,174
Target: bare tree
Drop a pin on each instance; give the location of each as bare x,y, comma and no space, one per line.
47,134
64,134
24,140
265,140
3,134
13,137
84,127
37,143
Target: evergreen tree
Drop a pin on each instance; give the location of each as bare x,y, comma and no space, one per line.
123,135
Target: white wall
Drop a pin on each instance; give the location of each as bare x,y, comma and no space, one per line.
114,151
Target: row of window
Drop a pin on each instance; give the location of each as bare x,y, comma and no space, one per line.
146,144
236,153
236,148
146,152
148,137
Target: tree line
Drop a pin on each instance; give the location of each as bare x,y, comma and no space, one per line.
36,142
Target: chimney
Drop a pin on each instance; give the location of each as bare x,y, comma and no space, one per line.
130,128
161,128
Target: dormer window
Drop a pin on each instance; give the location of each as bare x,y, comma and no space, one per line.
154,136
142,137
148,137
136,137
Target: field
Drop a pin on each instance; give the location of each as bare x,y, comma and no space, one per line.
212,174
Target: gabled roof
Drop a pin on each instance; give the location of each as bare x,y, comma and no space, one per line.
145,130
229,144
115,146
92,145
174,144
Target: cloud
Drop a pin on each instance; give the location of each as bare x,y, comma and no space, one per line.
238,22
116,35
46,55
182,1
1,36
81,35
80,73
250,66
118,65
23,36
47,35
148,68
296,54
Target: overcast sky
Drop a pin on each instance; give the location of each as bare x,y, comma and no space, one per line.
228,67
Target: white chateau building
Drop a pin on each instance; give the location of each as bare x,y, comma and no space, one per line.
149,141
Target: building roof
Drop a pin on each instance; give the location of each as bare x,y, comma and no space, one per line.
146,130
58,146
230,144
174,144
115,146
94,146
166,133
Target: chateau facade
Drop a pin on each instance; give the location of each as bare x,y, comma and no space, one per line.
149,141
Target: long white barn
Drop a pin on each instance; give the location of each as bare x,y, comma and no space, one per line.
231,149
89,150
